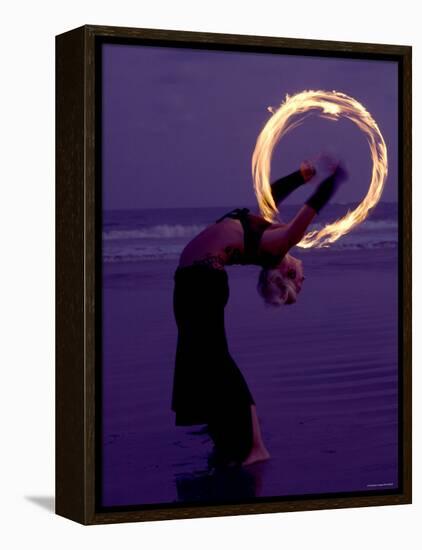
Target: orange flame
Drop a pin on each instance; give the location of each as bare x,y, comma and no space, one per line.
331,105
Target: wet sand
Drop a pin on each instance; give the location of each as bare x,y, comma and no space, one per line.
323,372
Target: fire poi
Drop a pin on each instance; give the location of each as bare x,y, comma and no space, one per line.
331,105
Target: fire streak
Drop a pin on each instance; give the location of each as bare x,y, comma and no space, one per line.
331,105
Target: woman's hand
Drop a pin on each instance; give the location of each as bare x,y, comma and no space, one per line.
323,166
331,180
307,170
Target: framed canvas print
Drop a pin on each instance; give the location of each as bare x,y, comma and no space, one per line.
233,318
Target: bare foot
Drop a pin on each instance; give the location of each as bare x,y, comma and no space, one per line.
257,454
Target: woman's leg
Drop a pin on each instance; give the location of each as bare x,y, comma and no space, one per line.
237,436
258,451
230,426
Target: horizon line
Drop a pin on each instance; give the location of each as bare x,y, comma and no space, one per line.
232,206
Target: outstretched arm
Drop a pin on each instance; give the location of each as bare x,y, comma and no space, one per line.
281,240
325,190
282,187
296,229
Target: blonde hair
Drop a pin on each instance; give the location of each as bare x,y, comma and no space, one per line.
275,288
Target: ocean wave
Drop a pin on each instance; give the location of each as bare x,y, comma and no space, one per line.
364,245
163,231
368,225
180,231
172,252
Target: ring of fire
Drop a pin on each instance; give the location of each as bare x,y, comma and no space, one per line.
331,105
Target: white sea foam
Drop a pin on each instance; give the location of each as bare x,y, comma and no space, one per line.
167,231
163,231
172,252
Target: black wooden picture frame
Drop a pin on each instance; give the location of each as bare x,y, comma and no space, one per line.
78,269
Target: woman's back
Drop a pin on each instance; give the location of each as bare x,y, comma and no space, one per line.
216,242
235,238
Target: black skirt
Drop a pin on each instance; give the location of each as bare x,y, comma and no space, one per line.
208,387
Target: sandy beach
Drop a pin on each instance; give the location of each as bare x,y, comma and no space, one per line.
323,372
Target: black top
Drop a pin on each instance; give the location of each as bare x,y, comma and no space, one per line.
253,228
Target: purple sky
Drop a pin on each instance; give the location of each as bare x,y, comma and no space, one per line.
180,125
